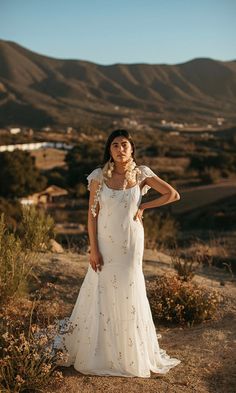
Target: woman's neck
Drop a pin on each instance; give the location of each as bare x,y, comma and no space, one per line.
120,168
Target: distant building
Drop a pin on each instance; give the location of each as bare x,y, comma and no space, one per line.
35,146
15,131
69,130
50,194
47,129
220,121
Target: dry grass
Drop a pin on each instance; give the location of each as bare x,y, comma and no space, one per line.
49,158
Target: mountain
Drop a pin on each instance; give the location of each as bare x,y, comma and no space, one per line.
37,90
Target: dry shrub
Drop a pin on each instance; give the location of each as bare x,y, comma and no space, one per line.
15,264
46,312
185,267
175,301
28,363
210,175
207,251
19,254
160,230
28,360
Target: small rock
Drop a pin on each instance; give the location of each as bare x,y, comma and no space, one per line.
56,247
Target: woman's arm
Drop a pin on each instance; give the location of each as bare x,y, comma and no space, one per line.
169,194
95,256
92,221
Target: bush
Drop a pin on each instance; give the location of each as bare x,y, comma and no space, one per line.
37,228
210,175
80,190
185,267
28,360
175,301
19,175
81,160
18,255
28,363
160,230
15,265
12,210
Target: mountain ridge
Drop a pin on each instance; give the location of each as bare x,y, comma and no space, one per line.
71,91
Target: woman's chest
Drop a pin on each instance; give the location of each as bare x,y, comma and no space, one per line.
118,198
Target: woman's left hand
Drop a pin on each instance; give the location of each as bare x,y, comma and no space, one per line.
139,214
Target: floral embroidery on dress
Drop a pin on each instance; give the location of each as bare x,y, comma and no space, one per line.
133,310
124,246
111,239
111,364
114,281
130,342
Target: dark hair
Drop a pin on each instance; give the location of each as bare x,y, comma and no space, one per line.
112,136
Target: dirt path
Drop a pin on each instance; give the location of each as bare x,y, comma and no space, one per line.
207,351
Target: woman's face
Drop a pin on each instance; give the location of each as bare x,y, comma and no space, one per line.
121,149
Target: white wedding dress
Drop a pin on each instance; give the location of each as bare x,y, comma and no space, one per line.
113,331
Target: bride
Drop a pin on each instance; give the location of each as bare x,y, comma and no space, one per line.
111,330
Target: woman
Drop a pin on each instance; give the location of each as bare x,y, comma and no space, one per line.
112,327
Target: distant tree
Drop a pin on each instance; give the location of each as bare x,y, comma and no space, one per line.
222,160
156,149
81,160
19,175
57,177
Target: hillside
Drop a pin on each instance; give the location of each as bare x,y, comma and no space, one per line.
36,90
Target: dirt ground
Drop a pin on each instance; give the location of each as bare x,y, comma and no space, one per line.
207,351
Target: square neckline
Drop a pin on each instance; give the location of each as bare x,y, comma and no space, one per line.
121,189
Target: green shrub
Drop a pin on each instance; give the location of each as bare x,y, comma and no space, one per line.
15,265
37,228
12,210
80,190
19,254
175,301
19,175
82,159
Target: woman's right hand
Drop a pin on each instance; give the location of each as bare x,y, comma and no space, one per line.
96,260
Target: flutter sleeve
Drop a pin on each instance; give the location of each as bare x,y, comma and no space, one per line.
145,172
96,174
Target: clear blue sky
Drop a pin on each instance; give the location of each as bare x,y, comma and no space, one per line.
123,31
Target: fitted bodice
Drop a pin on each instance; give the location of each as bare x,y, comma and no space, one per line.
117,209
